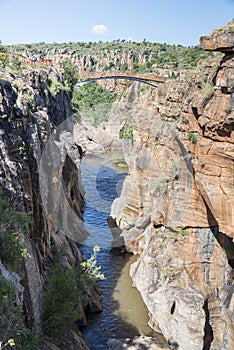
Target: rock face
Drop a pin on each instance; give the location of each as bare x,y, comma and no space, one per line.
97,61
176,206
220,40
39,174
101,139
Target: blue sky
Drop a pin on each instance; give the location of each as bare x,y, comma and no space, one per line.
170,21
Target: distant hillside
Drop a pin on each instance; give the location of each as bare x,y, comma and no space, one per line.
136,56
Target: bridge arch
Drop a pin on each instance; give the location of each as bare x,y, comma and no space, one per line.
152,80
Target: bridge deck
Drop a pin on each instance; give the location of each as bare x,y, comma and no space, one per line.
86,76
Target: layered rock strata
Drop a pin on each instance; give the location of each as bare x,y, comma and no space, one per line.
176,206
39,174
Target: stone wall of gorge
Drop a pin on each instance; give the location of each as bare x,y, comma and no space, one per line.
39,175
176,207
97,61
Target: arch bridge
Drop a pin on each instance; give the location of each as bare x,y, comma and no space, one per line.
151,79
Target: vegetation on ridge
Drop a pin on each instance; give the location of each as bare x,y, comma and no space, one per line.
146,56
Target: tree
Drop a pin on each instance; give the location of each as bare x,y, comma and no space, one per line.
71,75
60,301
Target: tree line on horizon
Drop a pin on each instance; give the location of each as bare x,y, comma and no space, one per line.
155,55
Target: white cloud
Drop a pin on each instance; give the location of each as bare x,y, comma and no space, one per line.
99,29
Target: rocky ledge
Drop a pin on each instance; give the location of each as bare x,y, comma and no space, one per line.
220,40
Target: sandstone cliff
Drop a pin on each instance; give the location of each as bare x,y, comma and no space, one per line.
176,206
42,178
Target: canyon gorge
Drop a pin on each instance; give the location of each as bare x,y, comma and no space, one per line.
175,210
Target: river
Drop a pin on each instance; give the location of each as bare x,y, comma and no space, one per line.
124,314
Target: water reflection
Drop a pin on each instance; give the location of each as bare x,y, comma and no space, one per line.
124,313
102,183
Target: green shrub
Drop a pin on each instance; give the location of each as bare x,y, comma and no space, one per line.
159,185
13,225
12,327
29,98
184,120
126,133
11,320
175,111
90,266
89,95
29,340
2,48
71,76
175,166
55,86
18,85
16,64
192,137
3,60
66,289
230,25
181,233
124,67
144,88
207,90
60,300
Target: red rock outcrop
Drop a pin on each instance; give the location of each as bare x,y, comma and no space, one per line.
221,39
176,207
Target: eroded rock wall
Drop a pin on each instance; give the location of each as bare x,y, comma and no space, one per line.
41,177
176,206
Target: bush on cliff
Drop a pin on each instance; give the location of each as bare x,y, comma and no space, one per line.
126,133
71,75
11,319
13,225
3,59
61,311
66,292
12,326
